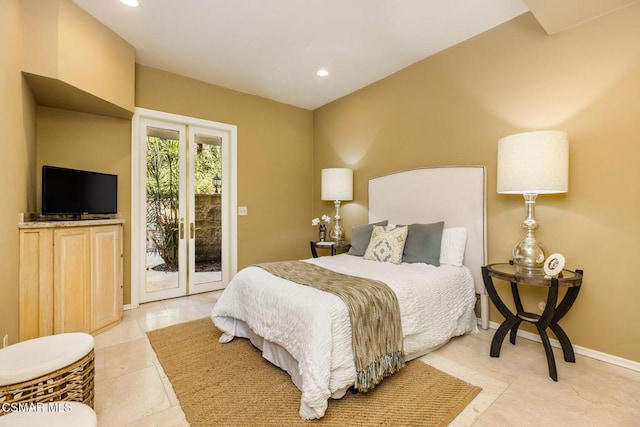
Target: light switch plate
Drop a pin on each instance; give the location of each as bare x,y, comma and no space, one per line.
242,210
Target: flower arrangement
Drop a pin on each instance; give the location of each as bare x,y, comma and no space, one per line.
321,222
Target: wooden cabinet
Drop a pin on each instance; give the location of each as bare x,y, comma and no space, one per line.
106,276
36,283
71,280
70,277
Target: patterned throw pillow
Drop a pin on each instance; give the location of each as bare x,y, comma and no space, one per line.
387,244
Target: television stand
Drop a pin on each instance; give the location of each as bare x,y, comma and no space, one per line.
71,276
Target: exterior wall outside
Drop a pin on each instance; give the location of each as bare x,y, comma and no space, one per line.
208,227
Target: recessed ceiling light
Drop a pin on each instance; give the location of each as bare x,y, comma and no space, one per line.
322,72
131,3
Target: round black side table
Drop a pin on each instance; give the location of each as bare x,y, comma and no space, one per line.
341,246
549,318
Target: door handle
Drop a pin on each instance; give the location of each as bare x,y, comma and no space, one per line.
192,230
181,227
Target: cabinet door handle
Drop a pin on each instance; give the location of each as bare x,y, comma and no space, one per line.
192,230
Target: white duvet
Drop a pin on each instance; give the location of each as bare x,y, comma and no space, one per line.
436,303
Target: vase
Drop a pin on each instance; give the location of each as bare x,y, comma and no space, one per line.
323,233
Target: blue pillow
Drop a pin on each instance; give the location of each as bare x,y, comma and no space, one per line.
360,236
423,243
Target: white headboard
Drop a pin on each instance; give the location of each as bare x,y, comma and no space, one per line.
453,194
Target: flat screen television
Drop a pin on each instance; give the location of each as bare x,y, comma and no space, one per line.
78,192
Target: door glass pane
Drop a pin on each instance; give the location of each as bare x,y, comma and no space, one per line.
162,190
208,209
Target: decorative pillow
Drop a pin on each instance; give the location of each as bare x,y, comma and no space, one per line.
360,236
423,243
454,241
387,244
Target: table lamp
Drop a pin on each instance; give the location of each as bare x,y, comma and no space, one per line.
532,163
337,185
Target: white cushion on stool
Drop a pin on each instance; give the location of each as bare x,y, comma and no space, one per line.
36,357
54,414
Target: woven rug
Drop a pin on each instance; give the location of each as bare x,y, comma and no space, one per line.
232,385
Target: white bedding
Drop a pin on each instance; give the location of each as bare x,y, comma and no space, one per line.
436,303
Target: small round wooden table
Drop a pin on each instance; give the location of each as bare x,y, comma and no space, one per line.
549,318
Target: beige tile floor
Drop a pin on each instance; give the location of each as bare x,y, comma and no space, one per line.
132,389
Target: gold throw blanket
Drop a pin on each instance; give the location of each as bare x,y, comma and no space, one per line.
374,312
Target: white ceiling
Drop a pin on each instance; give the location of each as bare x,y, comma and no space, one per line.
273,48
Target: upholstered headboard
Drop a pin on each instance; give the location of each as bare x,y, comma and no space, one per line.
453,194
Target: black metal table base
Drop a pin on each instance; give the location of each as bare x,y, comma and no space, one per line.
548,319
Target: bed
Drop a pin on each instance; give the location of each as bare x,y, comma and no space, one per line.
307,332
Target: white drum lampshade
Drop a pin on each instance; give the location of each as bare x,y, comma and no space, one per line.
337,185
533,162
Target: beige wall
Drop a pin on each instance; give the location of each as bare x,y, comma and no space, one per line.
68,52
274,159
274,139
448,109
453,107
87,141
274,152
17,163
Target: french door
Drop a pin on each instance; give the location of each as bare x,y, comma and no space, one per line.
185,206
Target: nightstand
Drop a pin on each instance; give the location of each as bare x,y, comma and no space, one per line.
549,318
335,247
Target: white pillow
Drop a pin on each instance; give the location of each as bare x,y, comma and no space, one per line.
387,244
454,241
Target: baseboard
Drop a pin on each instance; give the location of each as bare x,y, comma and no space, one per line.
126,307
584,351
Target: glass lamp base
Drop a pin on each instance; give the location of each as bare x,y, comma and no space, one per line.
525,270
336,232
528,256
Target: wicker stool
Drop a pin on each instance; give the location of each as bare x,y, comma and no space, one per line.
52,414
47,369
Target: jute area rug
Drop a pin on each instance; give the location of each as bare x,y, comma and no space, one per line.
232,385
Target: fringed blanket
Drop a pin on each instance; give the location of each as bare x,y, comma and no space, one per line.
374,312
